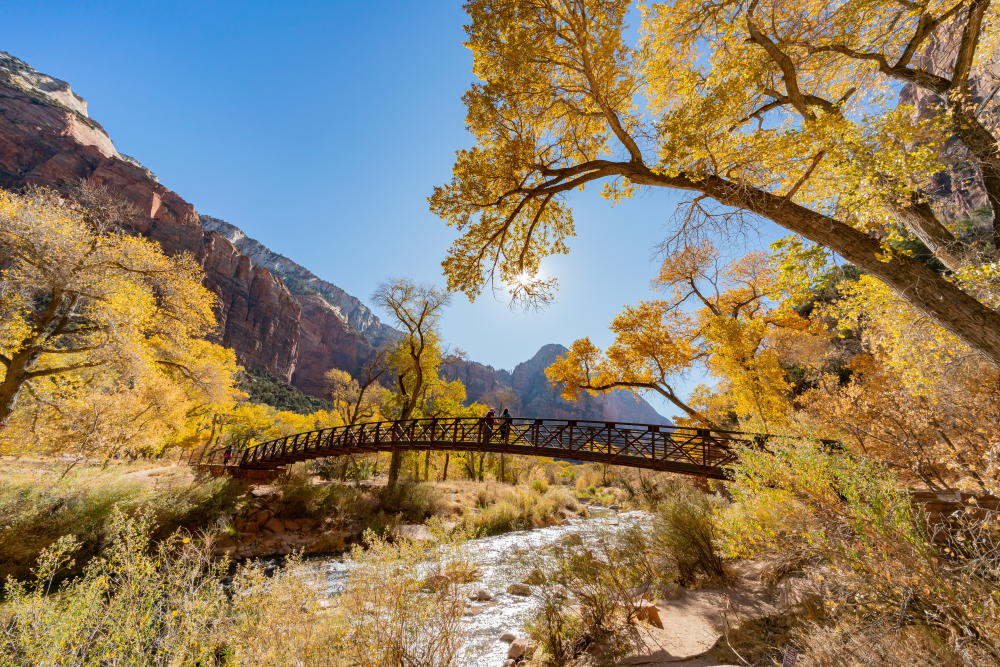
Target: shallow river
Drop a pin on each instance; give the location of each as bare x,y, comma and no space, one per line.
505,612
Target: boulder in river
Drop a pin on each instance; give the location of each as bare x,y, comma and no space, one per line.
413,532
517,648
481,595
571,540
507,637
519,589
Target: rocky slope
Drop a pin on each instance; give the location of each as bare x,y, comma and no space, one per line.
47,138
336,330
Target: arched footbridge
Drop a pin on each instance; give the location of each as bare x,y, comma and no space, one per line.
693,451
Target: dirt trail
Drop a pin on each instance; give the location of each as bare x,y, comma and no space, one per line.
693,625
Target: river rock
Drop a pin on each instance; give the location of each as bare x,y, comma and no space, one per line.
517,648
263,516
508,637
614,507
519,589
275,526
509,662
571,540
252,527
414,533
481,595
223,541
292,525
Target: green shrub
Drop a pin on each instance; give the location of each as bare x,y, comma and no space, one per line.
415,503
587,593
685,528
884,566
540,486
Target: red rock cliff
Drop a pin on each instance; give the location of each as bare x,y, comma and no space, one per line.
46,138
326,341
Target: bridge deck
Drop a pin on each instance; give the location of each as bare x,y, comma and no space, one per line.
701,452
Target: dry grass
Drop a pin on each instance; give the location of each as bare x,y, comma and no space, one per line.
892,593
502,509
38,506
169,605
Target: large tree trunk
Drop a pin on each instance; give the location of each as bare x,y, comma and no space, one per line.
972,322
444,475
394,465
960,314
10,389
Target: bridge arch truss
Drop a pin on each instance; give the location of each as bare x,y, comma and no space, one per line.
702,452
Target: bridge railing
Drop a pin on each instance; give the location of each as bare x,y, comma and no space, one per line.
700,451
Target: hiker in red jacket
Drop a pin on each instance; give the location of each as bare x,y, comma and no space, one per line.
491,420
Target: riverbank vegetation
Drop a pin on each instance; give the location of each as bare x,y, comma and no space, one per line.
40,502
169,603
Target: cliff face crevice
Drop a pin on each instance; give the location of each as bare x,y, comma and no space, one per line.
47,139
957,191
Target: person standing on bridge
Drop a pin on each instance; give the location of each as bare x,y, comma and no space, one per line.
488,423
505,423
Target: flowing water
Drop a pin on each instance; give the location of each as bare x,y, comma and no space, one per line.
493,555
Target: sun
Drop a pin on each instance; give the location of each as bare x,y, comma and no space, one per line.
525,279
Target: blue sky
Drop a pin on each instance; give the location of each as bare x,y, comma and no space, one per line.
320,128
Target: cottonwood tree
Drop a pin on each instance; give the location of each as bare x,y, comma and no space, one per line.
762,109
722,317
416,309
357,400
78,296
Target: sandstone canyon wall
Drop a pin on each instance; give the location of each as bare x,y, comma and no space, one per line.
47,138
957,191
336,330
